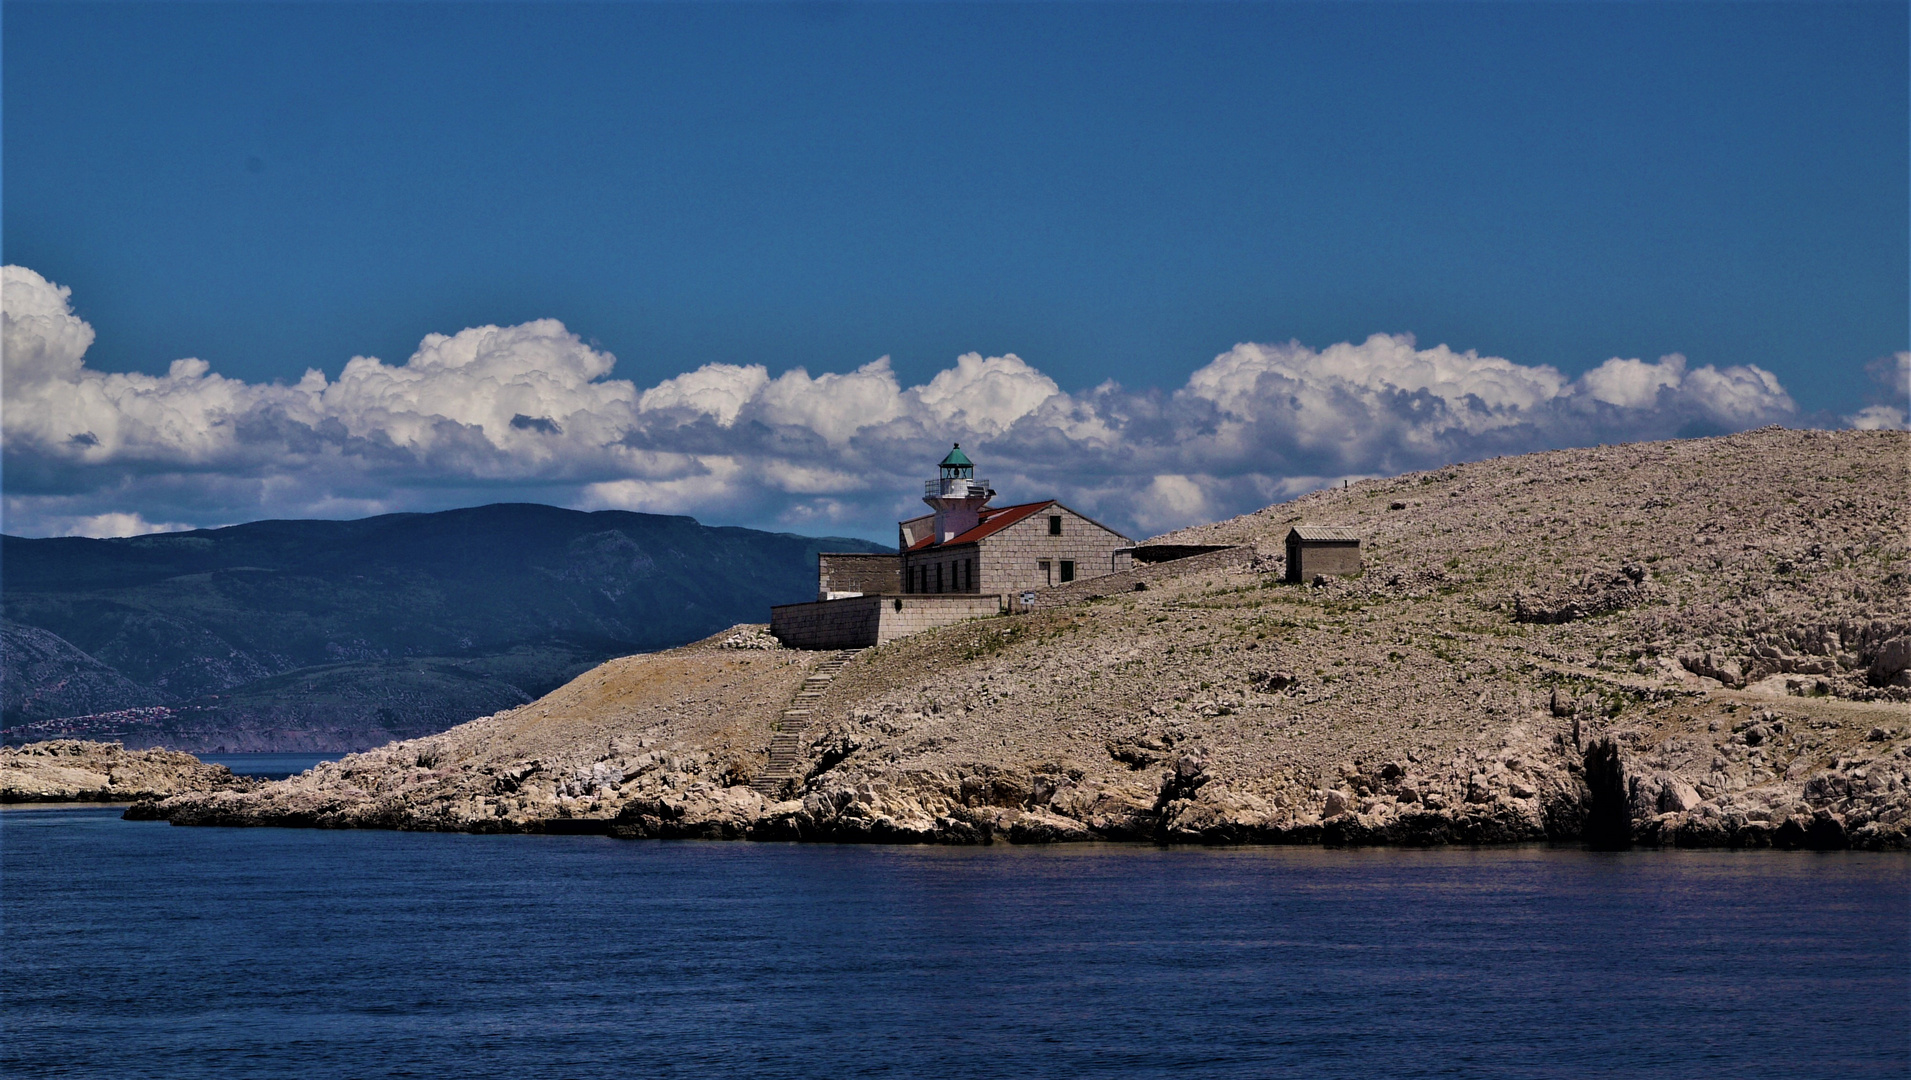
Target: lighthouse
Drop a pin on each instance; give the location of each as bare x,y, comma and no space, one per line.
966,560
956,496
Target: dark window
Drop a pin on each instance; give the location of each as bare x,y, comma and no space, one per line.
938,577
1068,570
968,574
1055,524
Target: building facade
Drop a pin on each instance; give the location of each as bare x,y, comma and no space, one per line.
1012,549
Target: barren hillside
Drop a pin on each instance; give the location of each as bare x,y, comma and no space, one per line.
1732,614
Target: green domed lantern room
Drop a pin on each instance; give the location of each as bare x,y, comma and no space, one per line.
956,496
957,465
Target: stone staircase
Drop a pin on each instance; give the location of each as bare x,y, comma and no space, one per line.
786,746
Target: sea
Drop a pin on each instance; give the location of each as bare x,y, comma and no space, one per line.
267,766
137,949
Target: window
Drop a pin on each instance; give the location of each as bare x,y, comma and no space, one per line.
1042,568
1068,571
968,575
938,577
1055,524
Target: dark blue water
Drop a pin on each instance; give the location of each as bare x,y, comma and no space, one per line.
142,950
268,766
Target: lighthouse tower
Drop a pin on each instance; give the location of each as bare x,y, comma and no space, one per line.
956,495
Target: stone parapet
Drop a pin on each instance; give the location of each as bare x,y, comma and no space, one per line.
861,621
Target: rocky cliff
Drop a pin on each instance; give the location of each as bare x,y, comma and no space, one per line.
1705,642
68,770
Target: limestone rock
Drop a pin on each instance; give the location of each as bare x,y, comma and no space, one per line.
70,770
1893,662
1714,666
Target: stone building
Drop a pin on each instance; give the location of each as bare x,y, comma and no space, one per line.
962,559
1321,549
967,546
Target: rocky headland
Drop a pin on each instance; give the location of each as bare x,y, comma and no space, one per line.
1699,643
71,770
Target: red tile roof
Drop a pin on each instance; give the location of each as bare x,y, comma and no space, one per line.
994,520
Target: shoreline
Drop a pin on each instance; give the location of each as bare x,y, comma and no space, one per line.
1742,667
67,804
1081,845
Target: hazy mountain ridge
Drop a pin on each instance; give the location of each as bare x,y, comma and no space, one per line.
343,634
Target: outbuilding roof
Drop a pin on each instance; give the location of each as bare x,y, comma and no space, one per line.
1325,532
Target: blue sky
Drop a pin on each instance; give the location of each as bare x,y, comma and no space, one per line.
1105,192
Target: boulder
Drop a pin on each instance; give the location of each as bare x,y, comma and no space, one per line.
1892,665
1676,796
1715,666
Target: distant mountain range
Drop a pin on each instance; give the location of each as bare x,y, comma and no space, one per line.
337,635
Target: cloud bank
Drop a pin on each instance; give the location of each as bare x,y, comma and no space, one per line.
531,413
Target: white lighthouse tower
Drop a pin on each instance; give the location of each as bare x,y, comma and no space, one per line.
957,496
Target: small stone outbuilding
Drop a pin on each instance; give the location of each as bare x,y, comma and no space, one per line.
1321,549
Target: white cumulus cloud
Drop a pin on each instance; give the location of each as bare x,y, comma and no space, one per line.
1893,413
532,412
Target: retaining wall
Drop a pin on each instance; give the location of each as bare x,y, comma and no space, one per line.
860,621
1109,584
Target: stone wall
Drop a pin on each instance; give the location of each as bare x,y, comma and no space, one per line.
1213,558
828,624
1154,553
860,572
861,621
905,615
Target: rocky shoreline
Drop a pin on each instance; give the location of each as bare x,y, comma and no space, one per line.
1528,790
1699,643
72,770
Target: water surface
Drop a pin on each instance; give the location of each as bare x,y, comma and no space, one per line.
268,766
141,950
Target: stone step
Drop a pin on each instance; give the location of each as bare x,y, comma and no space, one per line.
786,744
